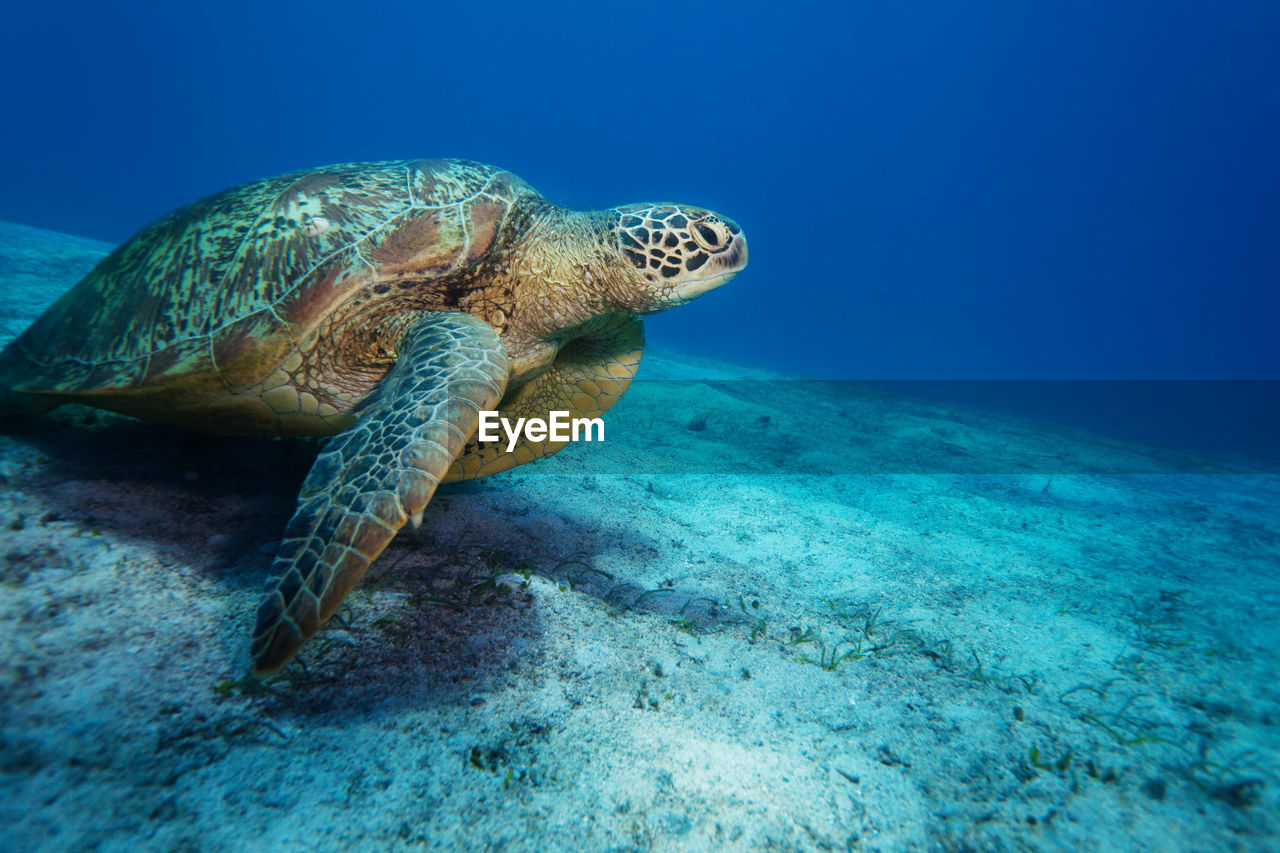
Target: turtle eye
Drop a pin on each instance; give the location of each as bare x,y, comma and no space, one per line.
711,234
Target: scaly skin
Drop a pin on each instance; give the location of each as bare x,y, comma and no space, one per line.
384,303
373,477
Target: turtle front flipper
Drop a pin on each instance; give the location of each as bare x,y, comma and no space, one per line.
377,474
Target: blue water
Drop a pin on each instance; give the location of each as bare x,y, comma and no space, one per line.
931,190
1076,639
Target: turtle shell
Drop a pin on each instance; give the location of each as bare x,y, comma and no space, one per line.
210,299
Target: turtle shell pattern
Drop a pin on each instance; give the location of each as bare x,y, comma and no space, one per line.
213,297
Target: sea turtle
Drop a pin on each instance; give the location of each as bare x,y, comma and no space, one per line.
384,304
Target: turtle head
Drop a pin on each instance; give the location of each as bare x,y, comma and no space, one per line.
672,253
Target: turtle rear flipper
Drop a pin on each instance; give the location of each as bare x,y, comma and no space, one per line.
376,475
15,368
17,403
589,375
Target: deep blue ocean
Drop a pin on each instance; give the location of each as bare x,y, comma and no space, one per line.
809,595
932,190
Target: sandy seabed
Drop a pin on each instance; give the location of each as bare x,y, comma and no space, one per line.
934,630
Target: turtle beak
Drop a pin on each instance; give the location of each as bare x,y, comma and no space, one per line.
723,266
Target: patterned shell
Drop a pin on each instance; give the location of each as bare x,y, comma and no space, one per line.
217,292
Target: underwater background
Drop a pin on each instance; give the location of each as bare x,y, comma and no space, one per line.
932,190
952,523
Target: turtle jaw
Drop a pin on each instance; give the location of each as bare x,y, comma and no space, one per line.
727,264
